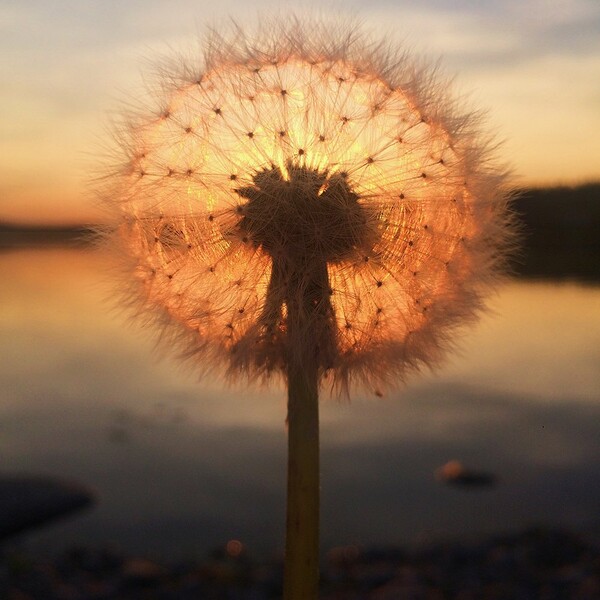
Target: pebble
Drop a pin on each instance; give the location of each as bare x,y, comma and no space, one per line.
537,564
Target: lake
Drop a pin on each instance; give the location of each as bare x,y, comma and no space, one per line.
181,465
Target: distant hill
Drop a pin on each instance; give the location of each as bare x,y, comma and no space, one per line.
560,233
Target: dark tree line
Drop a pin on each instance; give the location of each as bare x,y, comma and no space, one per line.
560,233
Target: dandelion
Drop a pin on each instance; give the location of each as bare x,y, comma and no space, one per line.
307,204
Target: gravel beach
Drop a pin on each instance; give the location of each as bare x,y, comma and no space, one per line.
537,564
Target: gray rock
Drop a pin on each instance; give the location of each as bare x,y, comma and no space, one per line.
27,501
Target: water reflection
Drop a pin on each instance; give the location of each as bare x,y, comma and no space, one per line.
181,465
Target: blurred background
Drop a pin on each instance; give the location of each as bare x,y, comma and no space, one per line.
178,466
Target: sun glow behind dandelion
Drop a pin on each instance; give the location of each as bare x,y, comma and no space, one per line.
269,160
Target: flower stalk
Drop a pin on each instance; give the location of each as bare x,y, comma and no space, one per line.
301,570
310,335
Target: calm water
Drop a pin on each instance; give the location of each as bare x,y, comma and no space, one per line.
180,466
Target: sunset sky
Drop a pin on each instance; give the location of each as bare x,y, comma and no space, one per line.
67,65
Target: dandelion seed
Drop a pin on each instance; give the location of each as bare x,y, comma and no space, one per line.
314,166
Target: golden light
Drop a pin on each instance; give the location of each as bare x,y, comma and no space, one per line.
431,206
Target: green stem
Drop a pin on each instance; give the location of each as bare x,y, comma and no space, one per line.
301,571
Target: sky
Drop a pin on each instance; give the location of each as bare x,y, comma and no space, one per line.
66,66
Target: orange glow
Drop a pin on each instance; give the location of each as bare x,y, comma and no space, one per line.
414,219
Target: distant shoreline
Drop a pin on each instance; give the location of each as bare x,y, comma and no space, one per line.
25,236
559,234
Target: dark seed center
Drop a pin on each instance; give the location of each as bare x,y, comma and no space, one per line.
306,216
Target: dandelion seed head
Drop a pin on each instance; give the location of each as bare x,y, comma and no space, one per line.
308,195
